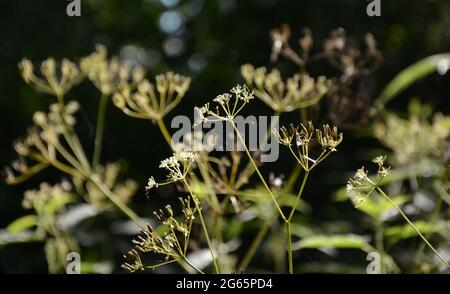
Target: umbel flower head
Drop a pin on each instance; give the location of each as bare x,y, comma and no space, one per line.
177,167
39,199
298,91
55,78
152,101
108,75
172,245
41,142
49,202
361,186
228,105
305,137
416,139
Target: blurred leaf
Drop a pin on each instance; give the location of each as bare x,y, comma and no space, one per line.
7,238
57,203
401,232
22,223
264,207
349,241
408,76
104,267
75,214
330,268
376,206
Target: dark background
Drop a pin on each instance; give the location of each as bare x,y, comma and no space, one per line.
205,39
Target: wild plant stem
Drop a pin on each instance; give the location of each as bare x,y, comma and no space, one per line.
122,206
288,223
266,226
164,131
291,262
299,195
255,244
202,221
193,266
73,141
257,170
99,129
412,225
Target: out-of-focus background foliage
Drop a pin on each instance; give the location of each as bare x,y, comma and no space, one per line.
208,40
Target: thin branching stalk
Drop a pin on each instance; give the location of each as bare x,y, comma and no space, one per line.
250,157
164,131
289,220
202,222
122,206
255,243
72,140
413,226
99,129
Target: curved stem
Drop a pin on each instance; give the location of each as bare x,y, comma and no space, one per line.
413,226
99,129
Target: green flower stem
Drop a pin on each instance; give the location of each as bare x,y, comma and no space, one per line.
99,129
193,266
257,170
255,243
263,141
299,195
215,204
412,225
122,206
288,223
291,263
202,221
71,138
164,131
168,139
266,225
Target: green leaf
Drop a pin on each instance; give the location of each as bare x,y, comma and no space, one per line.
263,206
349,241
401,232
376,206
408,76
104,267
21,224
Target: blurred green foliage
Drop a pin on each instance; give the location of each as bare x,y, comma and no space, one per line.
207,40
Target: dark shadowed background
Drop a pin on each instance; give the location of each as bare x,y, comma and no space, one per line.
205,39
